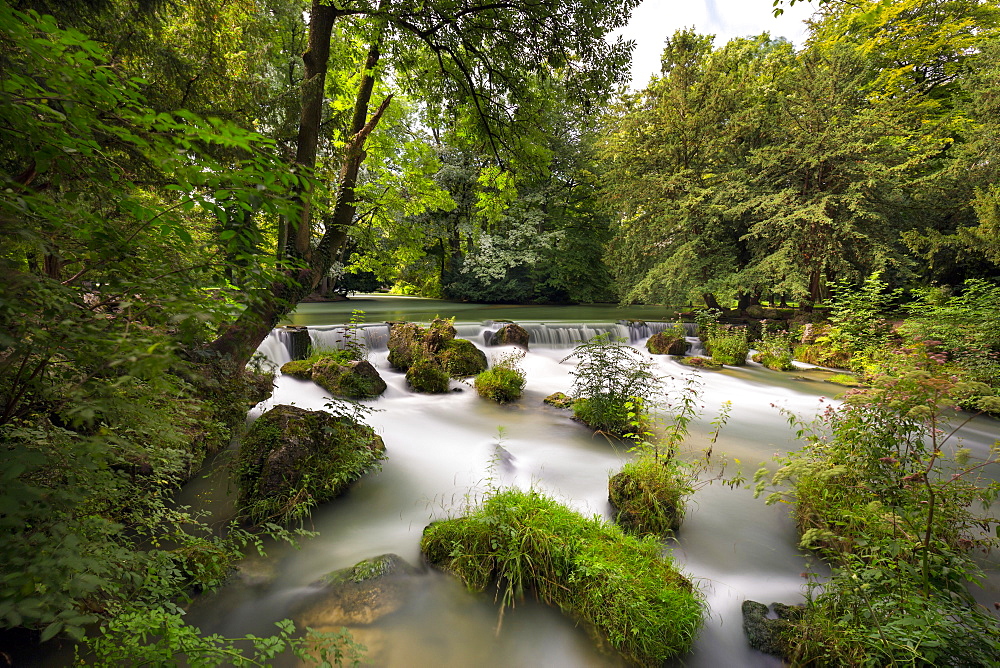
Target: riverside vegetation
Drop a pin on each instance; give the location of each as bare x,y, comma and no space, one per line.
171,187
620,587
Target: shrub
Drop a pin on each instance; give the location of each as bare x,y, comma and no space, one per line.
729,345
504,382
876,494
774,350
649,496
611,381
621,586
426,376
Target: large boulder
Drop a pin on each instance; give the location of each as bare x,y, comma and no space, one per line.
355,380
405,344
440,332
292,458
667,342
409,342
511,334
461,358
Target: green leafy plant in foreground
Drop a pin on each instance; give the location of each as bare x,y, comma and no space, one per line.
157,638
523,542
882,490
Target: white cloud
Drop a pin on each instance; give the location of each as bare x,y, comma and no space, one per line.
655,20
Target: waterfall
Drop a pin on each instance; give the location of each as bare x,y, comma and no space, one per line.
643,329
373,336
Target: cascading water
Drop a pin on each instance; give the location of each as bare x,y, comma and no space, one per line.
445,450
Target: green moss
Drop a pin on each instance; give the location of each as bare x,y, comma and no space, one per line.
648,496
619,586
500,384
460,358
426,376
298,368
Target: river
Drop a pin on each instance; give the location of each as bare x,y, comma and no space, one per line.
444,450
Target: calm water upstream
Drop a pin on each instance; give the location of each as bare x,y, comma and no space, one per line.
444,450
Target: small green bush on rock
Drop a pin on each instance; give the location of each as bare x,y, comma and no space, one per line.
504,382
729,345
619,586
649,496
774,350
426,376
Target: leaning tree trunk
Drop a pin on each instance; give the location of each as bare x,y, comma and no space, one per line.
241,338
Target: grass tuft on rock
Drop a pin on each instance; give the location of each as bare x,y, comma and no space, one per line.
620,587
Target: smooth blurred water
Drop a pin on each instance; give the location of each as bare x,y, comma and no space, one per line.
445,450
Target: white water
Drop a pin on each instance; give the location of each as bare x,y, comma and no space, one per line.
443,450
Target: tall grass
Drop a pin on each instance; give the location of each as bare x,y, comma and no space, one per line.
620,586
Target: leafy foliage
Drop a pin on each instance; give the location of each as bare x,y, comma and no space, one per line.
612,384
878,494
158,637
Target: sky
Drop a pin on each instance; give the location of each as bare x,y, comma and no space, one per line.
655,20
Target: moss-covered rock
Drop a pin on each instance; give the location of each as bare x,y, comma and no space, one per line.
298,369
667,342
405,344
355,380
426,376
767,634
701,363
292,458
511,334
439,332
461,358
339,375
559,400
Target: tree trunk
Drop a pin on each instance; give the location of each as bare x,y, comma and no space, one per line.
241,338
711,301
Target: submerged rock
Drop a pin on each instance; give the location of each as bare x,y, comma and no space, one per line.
359,595
292,458
559,400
